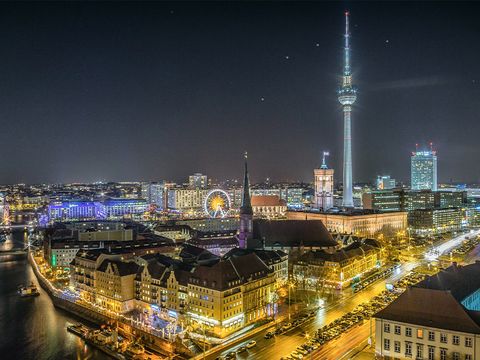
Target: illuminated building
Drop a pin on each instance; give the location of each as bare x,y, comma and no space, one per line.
293,194
114,285
382,200
198,181
323,183
86,262
246,212
117,208
182,199
435,221
413,200
395,200
339,269
384,182
219,298
276,260
86,210
347,95
268,206
72,210
83,271
154,193
446,199
435,319
424,170
358,222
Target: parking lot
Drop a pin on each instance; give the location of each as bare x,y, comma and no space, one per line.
357,316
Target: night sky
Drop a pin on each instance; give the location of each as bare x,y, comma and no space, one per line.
150,91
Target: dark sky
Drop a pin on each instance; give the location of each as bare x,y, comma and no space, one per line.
148,91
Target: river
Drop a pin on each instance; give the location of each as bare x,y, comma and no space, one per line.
32,328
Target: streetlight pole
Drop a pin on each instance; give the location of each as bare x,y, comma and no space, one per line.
289,302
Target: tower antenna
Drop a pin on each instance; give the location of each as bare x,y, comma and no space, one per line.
324,160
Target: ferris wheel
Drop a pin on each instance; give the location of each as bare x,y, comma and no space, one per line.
217,203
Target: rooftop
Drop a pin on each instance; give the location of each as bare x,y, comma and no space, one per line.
290,233
436,301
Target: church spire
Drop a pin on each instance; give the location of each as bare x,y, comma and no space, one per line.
246,212
246,207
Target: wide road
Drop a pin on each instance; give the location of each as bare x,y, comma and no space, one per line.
339,348
282,345
449,245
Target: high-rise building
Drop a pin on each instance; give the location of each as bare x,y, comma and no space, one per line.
424,170
323,181
347,94
198,181
385,182
154,193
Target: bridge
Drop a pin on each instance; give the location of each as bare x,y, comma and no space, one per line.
14,252
18,226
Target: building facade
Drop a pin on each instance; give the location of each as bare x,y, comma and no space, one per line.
339,269
424,170
425,222
385,182
268,206
323,186
359,223
198,181
447,329
155,193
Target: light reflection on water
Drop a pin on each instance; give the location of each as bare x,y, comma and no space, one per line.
31,328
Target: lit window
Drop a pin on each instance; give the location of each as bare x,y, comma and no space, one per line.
456,340
468,342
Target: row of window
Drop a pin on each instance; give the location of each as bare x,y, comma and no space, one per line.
431,352
431,335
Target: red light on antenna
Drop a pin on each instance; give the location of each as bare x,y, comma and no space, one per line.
347,12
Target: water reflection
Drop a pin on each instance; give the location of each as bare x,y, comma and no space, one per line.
31,328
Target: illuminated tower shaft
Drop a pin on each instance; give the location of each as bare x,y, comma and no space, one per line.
347,94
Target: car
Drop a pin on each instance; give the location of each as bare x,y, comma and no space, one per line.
302,351
241,349
269,335
296,355
251,344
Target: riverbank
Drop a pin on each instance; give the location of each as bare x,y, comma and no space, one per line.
152,342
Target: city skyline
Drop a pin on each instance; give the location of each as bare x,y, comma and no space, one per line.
92,102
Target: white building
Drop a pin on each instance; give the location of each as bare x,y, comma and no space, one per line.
323,183
438,319
198,181
424,170
154,193
182,199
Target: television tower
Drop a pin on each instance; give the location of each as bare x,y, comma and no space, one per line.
347,94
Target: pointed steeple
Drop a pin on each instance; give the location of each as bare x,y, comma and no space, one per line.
246,207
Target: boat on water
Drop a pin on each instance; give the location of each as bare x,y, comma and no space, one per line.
79,330
28,291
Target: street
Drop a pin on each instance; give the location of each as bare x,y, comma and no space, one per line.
284,344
